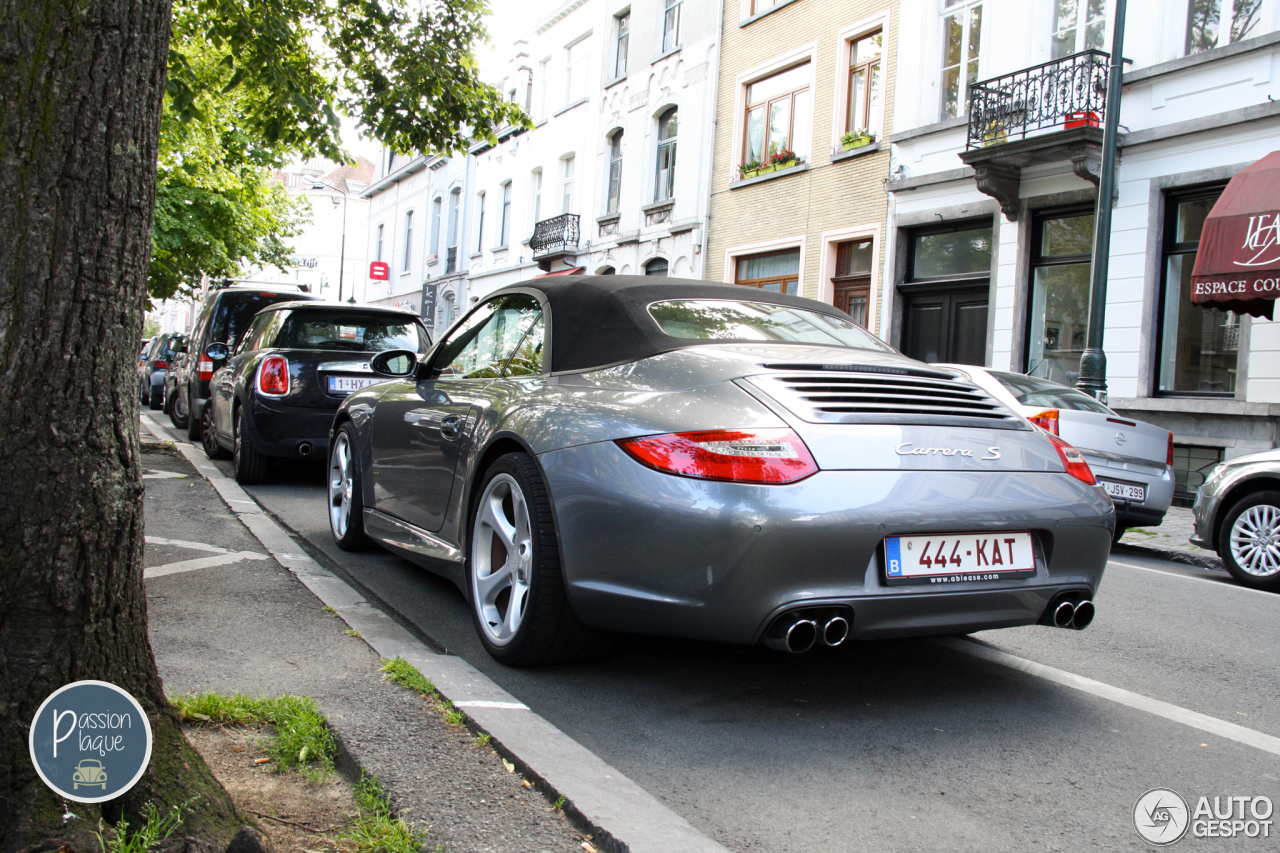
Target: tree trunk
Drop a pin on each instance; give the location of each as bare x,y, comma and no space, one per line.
81,88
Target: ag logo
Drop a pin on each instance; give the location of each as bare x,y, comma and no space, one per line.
1161,816
90,741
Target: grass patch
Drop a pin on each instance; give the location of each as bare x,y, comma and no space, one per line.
302,739
406,674
351,632
377,830
483,739
155,829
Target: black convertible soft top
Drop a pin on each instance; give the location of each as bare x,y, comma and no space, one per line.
599,320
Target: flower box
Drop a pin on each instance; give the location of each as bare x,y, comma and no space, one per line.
858,142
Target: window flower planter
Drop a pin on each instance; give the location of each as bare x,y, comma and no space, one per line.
857,142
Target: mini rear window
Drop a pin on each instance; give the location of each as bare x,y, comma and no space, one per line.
743,320
350,331
1034,391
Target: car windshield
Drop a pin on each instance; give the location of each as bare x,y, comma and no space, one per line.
742,320
235,313
351,331
1033,391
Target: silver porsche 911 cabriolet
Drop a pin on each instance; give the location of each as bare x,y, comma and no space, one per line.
590,455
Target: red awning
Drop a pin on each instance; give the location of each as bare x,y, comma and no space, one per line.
569,271
1238,262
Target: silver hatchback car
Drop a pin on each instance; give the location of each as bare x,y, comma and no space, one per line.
1132,460
1238,515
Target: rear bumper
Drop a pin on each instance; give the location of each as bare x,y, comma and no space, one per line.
289,431
652,553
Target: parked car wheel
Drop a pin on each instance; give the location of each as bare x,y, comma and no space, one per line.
250,465
346,506
209,436
513,572
1249,541
193,423
178,409
157,398
144,393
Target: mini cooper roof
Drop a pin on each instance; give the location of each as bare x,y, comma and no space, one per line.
343,307
600,320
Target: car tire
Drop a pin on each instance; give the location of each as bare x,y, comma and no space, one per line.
1249,541
144,394
193,423
250,465
209,435
157,398
346,498
177,415
520,608
1119,532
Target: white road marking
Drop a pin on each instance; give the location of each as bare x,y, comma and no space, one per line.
1177,714
484,703
190,546
1226,583
162,475
201,563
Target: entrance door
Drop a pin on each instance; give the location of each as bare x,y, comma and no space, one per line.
946,326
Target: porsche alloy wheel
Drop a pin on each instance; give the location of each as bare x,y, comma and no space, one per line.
1250,541
513,571
346,507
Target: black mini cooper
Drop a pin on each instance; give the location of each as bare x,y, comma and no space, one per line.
296,363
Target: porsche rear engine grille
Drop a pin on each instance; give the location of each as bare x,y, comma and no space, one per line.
878,398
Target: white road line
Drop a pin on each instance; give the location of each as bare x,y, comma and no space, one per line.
1194,719
1219,584
482,703
162,475
201,563
190,546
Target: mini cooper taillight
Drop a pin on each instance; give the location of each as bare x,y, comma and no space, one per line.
1046,420
204,370
1073,460
273,376
760,456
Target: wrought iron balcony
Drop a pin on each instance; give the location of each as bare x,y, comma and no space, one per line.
554,238
1063,94
451,260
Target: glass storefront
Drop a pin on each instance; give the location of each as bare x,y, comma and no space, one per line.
1059,309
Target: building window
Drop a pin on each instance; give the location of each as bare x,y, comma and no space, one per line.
1214,23
606,271
575,72
504,224
760,6
864,81
1059,320
479,222
961,48
615,172
657,266
1191,466
778,272
779,117
435,226
537,195
408,239
852,281
455,208
566,186
1078,25
668,127
1199,345
377,251
671,25
542,88
620,50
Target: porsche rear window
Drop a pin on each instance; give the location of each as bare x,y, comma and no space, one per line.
744,320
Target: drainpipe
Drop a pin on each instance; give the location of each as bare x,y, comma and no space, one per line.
707,155
1093,362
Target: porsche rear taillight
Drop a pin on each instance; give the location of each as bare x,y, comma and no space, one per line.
760,456
1073,461
1046,420
273,376
204,369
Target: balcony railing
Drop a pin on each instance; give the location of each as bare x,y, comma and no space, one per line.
1060,95
555,236
451,260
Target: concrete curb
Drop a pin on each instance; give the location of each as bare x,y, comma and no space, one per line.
1203,561
623,817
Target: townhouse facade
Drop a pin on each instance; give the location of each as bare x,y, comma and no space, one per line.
995,146
797,198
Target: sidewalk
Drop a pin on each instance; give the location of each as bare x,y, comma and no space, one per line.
225,616
1169,541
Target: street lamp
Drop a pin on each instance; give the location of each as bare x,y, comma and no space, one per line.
317,183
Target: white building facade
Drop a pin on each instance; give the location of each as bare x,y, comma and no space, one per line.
996,143
615,175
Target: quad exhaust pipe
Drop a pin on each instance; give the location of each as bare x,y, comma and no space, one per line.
800,630
304,449
1073,614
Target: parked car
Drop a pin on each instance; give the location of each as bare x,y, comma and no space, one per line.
276,396
592,454
222,318
1132,460
153,367
1237,512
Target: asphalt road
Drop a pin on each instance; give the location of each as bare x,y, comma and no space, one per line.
907,745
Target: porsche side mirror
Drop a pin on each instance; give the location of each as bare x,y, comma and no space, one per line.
395,363
218,352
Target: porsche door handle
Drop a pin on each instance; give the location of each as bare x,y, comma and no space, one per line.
450,427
